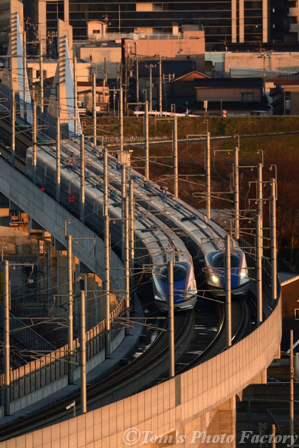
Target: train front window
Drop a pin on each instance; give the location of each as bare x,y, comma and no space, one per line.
219,260
179,273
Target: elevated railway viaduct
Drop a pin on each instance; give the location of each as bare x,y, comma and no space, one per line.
202,399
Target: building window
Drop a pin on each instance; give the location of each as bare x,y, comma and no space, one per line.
296,311
247,97
157,7
96,32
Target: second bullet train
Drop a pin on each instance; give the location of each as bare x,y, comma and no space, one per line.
204,238
155,243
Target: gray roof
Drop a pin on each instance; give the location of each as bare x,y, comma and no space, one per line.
287,277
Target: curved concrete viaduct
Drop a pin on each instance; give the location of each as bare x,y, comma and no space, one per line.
198,400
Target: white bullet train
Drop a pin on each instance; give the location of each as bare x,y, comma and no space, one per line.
204,238
155,243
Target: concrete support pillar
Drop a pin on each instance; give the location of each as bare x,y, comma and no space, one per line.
261,379
223,422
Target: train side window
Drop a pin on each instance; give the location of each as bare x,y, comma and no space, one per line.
296,312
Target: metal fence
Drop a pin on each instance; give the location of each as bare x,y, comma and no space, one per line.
57,369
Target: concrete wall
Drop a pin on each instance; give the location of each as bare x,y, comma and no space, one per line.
265,61
177,407
226,94
171,47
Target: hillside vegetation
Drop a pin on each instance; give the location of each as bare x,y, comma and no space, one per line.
273,140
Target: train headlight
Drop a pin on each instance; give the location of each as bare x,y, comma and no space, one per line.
243,276
214,280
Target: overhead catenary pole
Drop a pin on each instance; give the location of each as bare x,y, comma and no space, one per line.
70,297
273,240
208,176
94,108
107,252
121,118
127,252
24,74
146,140
171,320
13,128
175,158
34,138
107,283
236,193
41,76
260,196
123,208
6,338
259,271
82,179
291,388
83,351
106,182
132,220
273,436
75,97
228,290
58,161
131,236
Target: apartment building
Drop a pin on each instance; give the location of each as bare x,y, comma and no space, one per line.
224,21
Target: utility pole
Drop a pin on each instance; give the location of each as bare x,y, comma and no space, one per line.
228,290
34,138
82,179
236,193
137,79
104,85
150,67
171,320
259,270
6,338
273,240
58,162
94,108
160,84
70,297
